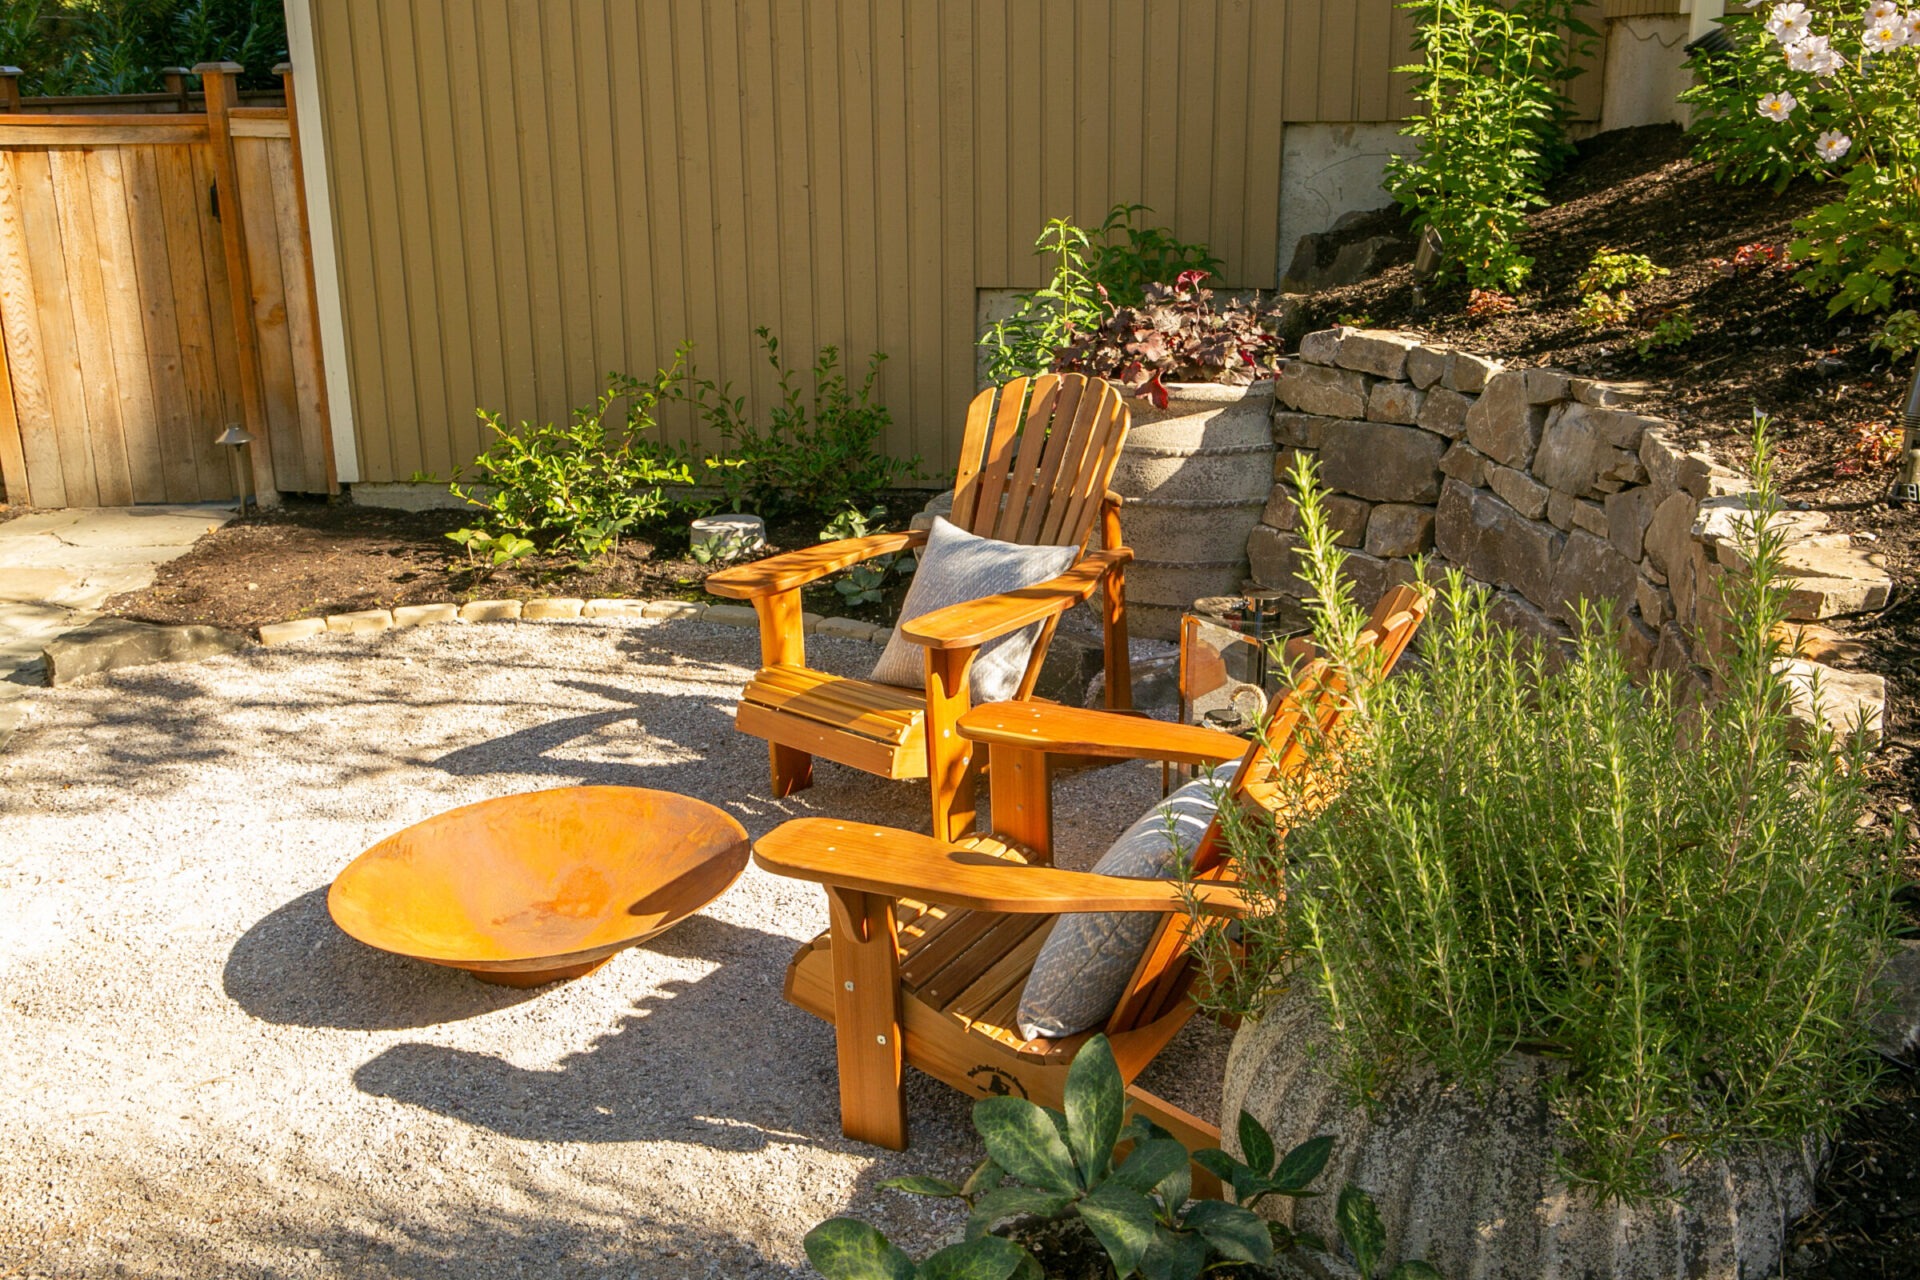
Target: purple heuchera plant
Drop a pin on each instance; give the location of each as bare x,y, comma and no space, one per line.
1176,334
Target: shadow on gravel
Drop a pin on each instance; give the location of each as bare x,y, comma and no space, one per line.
295,968
688,1064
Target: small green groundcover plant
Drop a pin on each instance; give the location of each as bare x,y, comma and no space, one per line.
1529,852
865,583
1054,1166
1830,90
814,456
1094,272
580,486
1492,80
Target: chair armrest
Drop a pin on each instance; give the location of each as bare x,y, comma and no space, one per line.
904,864
1049,727
793,569
972,623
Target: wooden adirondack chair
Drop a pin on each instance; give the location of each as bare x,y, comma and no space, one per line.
931,942
1035,462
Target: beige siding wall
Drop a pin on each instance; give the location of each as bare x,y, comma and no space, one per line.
529,193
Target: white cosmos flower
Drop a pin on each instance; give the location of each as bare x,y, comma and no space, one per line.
1882,11
1790,23
1883,36
1832,145
1814,54
1778,106
1911,21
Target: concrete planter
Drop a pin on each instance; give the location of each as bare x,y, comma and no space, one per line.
1468,1183
1195,476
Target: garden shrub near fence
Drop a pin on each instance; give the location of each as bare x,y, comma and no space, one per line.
119,46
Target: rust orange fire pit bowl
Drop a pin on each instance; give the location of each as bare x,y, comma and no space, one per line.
531,888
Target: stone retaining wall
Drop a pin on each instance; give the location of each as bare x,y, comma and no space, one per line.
1545,486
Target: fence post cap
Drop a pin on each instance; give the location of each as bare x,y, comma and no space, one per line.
11,71
283,68
223,68
175,71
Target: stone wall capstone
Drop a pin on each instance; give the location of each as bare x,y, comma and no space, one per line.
1545,486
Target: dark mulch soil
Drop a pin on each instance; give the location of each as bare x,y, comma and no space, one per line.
309,559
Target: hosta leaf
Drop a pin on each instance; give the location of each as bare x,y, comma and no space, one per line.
1303,1164
915,1184
1232,1231
1024,1140
1359,1221
1122,1221
1256,1145
1096,1105
846,1249
1148,1164
985,1258
1014,1202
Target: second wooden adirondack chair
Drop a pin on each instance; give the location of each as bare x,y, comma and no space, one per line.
1035,462
932,943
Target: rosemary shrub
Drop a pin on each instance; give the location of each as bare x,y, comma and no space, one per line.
1670,895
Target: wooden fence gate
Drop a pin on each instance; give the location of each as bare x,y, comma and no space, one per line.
156,285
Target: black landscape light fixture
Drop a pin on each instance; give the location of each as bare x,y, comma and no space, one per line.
1906,482
235,438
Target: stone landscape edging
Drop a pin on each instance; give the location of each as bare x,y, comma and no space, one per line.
1550,488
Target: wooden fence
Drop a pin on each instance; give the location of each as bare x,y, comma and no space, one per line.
156,285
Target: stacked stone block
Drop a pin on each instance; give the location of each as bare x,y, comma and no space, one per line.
1545,486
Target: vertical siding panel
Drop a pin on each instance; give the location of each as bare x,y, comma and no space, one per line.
924,238
385,409
1400,103
529,122
1092,117
1162,91
793,163
1300,55
854,42
955,354
473,201
731,224
1339,60
1226,205
1198,108
994,146
1058,128
892,161
626,129
1266,114
693,213
1031,149
826,177
659,195
454,439
566,197
503,180
601,248
763,191
429,446
1376,57
1127,156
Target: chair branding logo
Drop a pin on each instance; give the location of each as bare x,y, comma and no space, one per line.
995,1083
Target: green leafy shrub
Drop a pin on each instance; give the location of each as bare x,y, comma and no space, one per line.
812,457
866,582
1673,328
1094,272
1059,1165
1831,91
1899,334
579,487
1669,894
119,46
1493,81
488,552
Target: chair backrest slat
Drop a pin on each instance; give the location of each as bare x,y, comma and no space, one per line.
1036,454
1165,971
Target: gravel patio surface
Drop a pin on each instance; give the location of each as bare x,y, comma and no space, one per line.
201,1077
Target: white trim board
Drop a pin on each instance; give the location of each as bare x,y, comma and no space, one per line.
326,262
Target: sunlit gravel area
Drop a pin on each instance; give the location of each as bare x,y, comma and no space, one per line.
200,1076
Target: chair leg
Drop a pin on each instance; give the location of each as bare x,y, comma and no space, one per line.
866,1018
952,772
792,769
1118,655
1022,799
